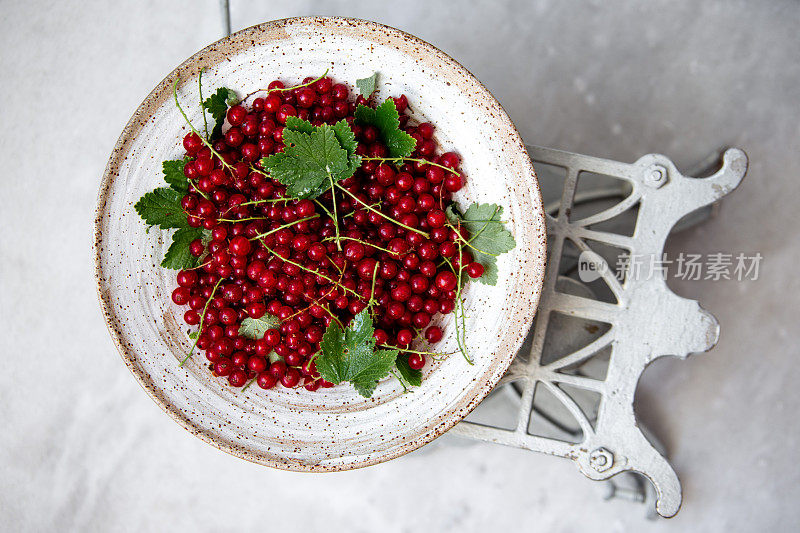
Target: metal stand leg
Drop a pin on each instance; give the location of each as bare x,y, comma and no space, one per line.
576,376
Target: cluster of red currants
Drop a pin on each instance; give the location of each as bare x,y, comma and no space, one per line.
277,255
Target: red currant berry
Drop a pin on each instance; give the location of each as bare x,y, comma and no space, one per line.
446,281
266,380
474,270
404,337
416,361
240,245
433,334
236,115
192,143
181,295
291,378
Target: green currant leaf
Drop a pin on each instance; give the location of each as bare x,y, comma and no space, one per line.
298,124
312,159
381,363
386,118
162,207
174,176
217,104
344,135
254,328
410,375
350,355
488,236
178,256
341,130
347,140
368,85
330,359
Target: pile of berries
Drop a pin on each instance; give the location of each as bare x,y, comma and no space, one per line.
270,254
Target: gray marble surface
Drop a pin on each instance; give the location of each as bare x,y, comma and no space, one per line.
82,448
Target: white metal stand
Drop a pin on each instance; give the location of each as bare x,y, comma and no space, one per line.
574,381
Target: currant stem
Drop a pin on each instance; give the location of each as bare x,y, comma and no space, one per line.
298,265
387,217
351,213
191,127
288,225
460,331
202,320
415,160
335,215
285,88
372,300
333,263
300,311
334,317
401,380
469,243
200,90
232,220
315,302
461,335
197,189
421,352
327,211
253,168
201,265
486,225
255,202
267,201
364,243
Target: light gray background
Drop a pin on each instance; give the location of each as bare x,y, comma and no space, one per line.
82,447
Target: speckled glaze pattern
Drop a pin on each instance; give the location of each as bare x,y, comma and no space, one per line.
331,429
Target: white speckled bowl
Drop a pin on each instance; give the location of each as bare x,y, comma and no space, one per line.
332,429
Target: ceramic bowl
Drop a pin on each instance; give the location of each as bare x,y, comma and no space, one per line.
331,429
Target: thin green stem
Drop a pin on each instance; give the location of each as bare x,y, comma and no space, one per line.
290,224
415,160
200,90
365,243
316,302
333,263
401,380
486,225
202,321
285,88
333,317
250,383
485,220
253,168
351,213
233,220
197,189
191,127
461,335
201,265
459,309
335,214
327,211
255,202
301,267
372,300
468,243
267,201
421,352
387,217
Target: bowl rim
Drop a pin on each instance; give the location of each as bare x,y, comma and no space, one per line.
535,229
